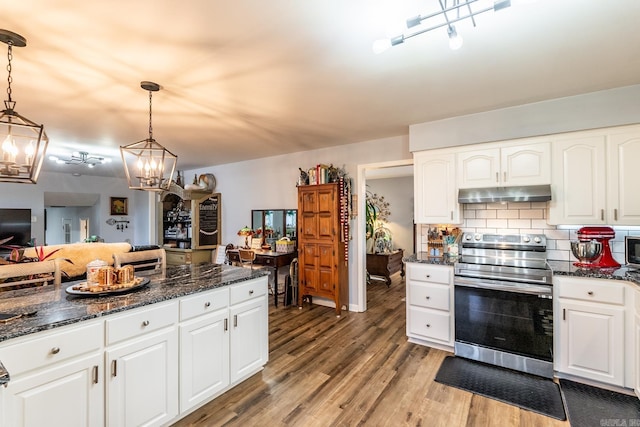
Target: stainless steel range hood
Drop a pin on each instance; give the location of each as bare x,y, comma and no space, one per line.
530,193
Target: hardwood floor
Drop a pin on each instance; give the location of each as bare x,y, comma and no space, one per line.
356,370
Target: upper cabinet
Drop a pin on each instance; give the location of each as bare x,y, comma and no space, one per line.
436,194
593,179
504,164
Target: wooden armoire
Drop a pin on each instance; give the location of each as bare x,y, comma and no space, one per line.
322,258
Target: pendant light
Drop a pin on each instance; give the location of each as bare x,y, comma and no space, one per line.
148,165
24,142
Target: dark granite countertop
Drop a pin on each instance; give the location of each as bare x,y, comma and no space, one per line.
425,258
566,268
56,308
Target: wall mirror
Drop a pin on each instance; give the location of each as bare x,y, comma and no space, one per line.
273,224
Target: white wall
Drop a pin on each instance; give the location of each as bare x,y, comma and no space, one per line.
399,193
32,197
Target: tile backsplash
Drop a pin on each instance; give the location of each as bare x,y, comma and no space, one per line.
527,218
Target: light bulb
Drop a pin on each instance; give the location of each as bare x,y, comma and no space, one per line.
380,46
455,40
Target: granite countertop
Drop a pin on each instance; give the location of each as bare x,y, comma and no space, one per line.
425,258
56,308
560,268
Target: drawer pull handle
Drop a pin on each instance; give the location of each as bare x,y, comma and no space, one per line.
428,297
428,325
251,292
55,350
590,293
207,304
145,323
428,275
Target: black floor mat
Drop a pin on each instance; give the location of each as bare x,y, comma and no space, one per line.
592,406
526,391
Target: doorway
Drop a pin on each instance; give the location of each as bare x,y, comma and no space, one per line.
370,172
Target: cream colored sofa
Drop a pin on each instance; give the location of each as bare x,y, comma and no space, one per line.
80,254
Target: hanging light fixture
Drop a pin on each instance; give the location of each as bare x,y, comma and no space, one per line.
146,162
24,142
462,9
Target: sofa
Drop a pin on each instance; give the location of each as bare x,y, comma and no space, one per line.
80,255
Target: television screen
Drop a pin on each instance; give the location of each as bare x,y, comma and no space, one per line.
16,223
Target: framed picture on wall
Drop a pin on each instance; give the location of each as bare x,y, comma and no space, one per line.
119,206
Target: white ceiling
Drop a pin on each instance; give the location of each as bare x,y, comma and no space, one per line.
246,79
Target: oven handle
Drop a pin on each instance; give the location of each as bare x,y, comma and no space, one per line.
540,291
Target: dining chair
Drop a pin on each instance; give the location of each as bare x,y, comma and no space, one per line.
31,273
247,257
153,259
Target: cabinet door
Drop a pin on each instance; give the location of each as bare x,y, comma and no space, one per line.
249,341
436,195
479,168
592,341
637,355
579,181
142,388
623,191
204,358
526,164
70,394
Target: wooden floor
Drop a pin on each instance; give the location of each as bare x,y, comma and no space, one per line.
356,370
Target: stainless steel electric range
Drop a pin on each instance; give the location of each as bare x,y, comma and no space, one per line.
503,302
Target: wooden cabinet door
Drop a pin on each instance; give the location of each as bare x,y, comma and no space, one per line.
142,385
436,195
623,191
249,340
526,164
479,168
204,358
309,267
579,181
592,341
71,394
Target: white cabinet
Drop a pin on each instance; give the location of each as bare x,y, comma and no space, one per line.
593,177
504,165
142,365
430,305
436,194
623,192
204,347
589,334
636,360
249,340
56,379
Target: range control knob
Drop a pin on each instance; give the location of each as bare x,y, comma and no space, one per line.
478,237
526,239
467,237
537,239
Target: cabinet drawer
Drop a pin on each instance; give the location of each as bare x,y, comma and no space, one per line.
429,273
604,291
247,290
140,322
430,324
52,347
204,303
429,295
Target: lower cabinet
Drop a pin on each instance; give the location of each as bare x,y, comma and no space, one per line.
636,366
590,329
430,305
144,367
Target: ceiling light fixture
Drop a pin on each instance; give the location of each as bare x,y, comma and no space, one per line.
81,158
460,9
145,162
24,142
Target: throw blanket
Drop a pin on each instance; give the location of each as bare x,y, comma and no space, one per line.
81,254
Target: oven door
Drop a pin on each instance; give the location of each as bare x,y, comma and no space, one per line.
496,315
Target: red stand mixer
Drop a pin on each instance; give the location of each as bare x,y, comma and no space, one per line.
602,235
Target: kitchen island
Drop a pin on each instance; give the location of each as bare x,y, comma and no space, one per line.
149,357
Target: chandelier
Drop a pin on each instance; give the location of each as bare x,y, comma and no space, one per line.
146,162
81,158
457,11
24,142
